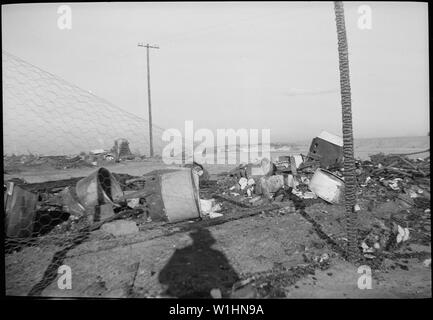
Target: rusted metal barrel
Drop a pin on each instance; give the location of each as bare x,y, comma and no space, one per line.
98,188
175,196
20,209
327,186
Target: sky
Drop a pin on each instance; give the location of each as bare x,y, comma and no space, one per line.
260,65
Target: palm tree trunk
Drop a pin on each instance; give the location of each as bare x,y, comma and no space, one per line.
349,161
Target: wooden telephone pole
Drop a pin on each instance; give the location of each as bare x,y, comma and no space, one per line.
147,46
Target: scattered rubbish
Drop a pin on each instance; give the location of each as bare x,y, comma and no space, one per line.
213,215
367,180
17,163
393,184
243,204
121,149
304,180
427,263
109,157
298,160
71,203
323,258
377,239
366,248
403,234
265,186
255,199
291,181
20,208
327,186
177,198
272,184
244,290
209,207
290,208
249,192
327,149
263,168
309,195
217,207
120,227
243,182
284,159
216,293
133,203
98,188
199,170
206,205
97,151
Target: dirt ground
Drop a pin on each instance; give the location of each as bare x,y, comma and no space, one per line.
174,261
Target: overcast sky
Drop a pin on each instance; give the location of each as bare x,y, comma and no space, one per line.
238,65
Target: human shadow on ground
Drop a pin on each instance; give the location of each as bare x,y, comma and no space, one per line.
192,272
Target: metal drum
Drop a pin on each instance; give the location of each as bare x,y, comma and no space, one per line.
327,186
179,191
20,209
98,188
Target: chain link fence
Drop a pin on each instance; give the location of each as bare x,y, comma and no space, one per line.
45,115
50,124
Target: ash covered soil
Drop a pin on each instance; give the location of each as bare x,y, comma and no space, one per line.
278,253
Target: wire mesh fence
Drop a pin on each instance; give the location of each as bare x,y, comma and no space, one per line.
50,124
46,115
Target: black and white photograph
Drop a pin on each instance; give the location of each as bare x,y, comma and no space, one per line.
216,151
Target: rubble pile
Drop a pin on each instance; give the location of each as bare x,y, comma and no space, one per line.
293,180
405,184
121,150
97,157
397,179
393,175
121,204
15,163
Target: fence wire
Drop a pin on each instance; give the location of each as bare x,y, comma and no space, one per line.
43,114
49,123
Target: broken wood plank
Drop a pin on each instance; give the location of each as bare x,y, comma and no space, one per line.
136,180
228,199
399,171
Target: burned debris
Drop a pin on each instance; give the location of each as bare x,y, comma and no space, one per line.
393,205
93,158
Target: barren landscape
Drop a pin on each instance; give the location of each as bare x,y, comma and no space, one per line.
295,250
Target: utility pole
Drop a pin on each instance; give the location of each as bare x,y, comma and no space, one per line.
147,46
